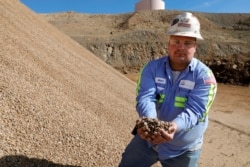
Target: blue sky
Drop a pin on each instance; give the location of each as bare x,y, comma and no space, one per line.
127,6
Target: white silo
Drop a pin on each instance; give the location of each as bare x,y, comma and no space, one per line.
150,5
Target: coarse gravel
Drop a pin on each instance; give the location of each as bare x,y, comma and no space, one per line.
59,104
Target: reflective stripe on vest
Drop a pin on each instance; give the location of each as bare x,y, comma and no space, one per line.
211,96
180,101
161,98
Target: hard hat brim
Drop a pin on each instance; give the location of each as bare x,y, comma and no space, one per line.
188,34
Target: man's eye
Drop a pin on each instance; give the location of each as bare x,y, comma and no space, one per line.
176,42
189,43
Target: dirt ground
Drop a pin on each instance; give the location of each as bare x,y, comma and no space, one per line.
227,139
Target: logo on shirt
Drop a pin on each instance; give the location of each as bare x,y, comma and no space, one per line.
209,80
160,80
187,84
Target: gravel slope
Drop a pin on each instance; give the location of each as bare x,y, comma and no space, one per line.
58,102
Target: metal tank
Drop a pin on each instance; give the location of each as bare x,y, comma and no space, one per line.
150,5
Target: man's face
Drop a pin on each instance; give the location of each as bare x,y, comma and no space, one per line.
181,50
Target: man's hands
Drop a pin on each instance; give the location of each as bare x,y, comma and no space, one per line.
156,131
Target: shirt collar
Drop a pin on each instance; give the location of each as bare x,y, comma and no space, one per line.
191,65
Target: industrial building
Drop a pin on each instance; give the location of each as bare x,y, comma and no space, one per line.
150,5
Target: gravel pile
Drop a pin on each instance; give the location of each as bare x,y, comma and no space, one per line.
59,104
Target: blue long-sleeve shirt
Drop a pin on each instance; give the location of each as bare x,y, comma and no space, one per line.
185,102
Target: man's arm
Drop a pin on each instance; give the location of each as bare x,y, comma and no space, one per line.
146,93
199,102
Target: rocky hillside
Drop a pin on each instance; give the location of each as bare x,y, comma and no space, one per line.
128,41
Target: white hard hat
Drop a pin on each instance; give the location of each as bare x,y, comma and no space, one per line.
185,24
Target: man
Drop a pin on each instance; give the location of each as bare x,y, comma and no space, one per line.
179,89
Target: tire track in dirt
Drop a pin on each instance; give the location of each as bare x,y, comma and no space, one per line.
230,127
